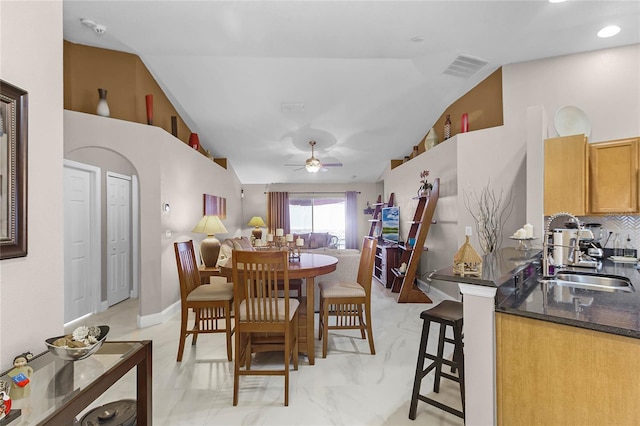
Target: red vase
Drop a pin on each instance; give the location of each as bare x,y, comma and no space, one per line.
464,123
149,99
194,141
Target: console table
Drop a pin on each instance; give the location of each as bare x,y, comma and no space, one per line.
62,389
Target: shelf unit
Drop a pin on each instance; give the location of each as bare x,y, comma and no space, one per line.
405,283
385,261
376,219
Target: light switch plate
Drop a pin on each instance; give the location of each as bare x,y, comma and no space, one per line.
468,231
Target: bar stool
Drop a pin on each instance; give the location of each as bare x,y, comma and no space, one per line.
447,313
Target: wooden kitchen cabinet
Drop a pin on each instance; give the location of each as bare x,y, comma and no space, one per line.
553,374
565,175
613,177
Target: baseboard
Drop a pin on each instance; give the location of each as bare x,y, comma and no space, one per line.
159,318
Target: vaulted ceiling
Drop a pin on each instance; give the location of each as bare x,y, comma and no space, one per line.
257,80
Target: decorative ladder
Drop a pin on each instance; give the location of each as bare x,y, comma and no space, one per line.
377,213
405,283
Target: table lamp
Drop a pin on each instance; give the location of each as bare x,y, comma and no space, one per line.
210,246
257,222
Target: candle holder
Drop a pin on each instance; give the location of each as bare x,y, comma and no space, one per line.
294,251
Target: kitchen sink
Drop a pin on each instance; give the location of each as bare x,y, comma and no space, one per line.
593,281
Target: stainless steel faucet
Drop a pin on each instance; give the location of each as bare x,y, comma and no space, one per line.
574,246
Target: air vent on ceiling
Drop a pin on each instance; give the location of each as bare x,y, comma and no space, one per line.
292,107
464,66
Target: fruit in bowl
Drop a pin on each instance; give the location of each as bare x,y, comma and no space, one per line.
83,342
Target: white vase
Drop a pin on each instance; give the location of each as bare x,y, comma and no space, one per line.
103,106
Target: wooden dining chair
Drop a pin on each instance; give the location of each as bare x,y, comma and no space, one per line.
346,300
260,313
211,303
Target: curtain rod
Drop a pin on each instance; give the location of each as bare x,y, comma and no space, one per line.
315,192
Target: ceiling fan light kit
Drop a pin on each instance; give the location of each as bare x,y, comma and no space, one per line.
313,165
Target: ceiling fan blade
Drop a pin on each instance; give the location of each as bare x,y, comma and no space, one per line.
331,164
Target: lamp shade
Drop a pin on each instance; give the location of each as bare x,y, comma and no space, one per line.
257,222
210,246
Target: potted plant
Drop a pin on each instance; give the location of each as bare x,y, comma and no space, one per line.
425,185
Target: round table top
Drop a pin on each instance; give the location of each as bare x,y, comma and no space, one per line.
308,265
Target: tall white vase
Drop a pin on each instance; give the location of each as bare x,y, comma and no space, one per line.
103,106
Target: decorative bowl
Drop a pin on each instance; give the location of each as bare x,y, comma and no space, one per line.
76,354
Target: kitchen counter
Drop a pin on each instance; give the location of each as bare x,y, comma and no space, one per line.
516,273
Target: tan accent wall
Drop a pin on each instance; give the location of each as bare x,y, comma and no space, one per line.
127,80
483,104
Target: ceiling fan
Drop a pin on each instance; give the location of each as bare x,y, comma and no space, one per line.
313,165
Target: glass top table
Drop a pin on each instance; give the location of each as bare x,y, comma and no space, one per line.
61,389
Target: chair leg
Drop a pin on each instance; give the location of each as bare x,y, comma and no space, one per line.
294,333
229,328
459,356
236,368
440,356
361,319
413,407
183,332
196,327
325,328
248,352
372,347
287,358
320,318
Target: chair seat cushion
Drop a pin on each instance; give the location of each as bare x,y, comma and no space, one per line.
293,306
213,291
335,288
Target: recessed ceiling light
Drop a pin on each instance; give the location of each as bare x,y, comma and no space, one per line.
557,1
417,39
609,31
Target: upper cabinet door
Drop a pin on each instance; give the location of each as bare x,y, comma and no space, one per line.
565,175
613,176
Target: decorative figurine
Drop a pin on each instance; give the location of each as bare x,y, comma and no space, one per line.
5,399
20,375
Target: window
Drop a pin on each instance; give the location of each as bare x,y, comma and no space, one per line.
310,214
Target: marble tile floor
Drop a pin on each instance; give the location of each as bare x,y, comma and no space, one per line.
349,387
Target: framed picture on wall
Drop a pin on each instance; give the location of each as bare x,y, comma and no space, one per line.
214,205
13,171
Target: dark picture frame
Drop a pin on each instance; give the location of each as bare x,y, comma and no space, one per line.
14,105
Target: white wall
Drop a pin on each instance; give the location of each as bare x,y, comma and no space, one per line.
31,287
168,171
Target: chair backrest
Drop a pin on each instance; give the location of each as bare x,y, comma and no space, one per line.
367,259
188,273
255,281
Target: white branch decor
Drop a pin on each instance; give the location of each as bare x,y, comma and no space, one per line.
490,213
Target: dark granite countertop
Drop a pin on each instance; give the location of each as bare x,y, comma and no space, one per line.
516,273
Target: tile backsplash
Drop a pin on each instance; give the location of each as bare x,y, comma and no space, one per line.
622,224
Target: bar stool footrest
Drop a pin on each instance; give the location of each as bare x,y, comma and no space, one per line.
441,406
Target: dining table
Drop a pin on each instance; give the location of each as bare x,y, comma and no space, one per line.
307,266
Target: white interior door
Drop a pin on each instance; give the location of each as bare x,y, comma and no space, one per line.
118,237
81,240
